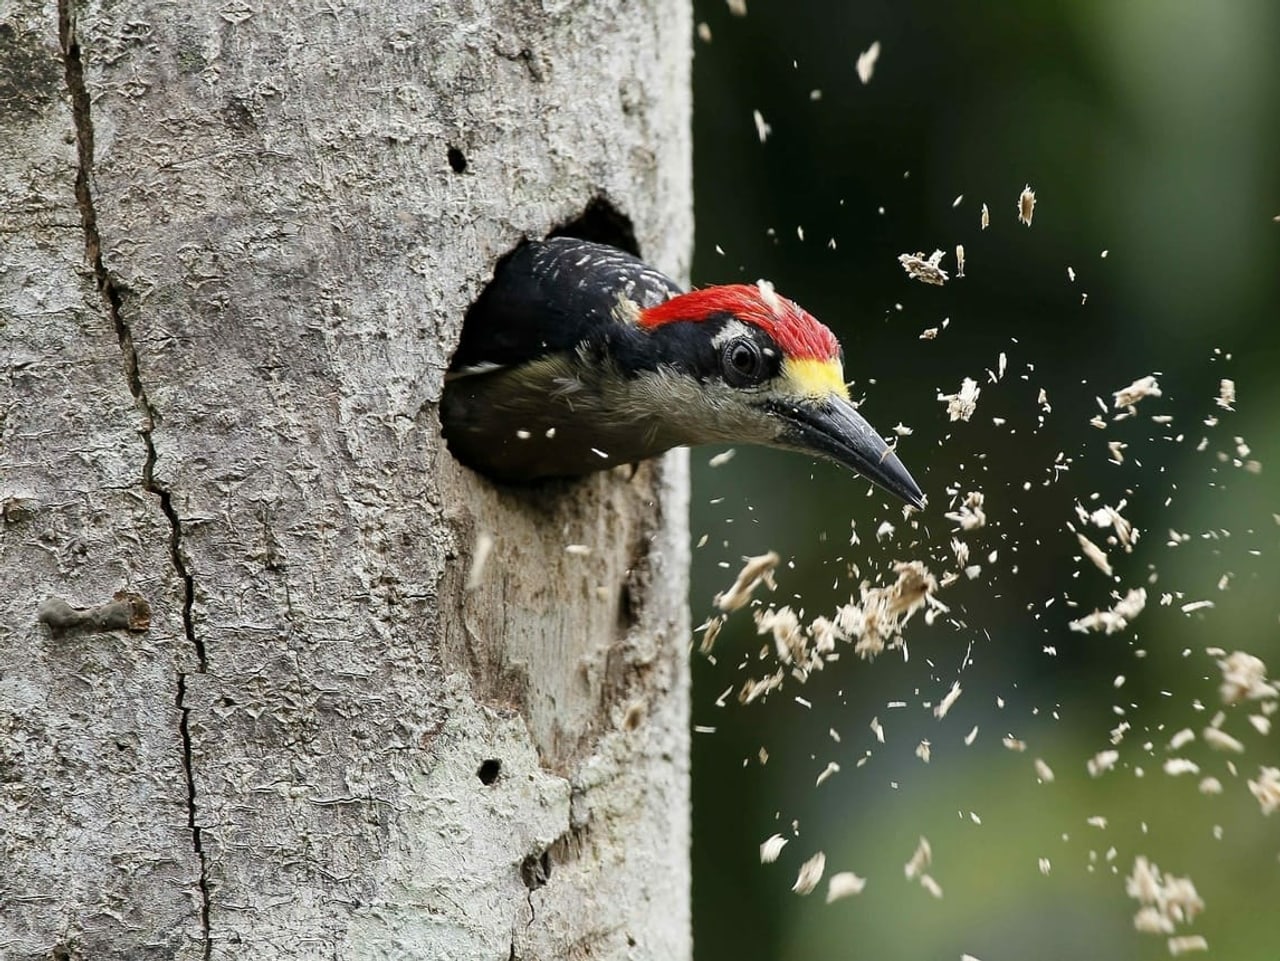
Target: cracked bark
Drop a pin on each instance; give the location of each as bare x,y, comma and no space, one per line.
112,299
281,219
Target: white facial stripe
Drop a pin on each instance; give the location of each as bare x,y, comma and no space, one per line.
732,330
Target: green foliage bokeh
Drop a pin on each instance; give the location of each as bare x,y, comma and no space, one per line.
1150,130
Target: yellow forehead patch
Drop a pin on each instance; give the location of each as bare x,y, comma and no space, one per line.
809,377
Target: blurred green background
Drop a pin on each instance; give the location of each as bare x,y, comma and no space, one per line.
1149,129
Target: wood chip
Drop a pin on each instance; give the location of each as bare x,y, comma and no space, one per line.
771,847
810,874
961,405
866,65
1026,205
1140,389
756,571
843,885
927,270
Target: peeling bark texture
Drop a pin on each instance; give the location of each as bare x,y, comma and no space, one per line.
262,695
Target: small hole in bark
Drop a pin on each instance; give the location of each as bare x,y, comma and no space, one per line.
628,614
225,701
634,716
457,160
535,870
489,770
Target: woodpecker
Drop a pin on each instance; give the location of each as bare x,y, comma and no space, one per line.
578,357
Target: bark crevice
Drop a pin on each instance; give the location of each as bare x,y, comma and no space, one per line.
113,296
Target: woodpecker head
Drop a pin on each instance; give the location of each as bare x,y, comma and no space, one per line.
739,363
578,357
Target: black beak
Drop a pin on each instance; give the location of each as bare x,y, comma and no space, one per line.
833,428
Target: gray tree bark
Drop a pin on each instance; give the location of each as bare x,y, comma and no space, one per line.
259,696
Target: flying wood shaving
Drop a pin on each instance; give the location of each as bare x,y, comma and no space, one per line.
789,642
874,622
737,7
1043,771
1142,387
1165,901
1227,394
1102,762
710,631
920,860
866,64
843,885
756,571
1220,740
1244,677
1187,942
924,269
831,768
771,847
825,634
1115,619
970,516
810,874
757,688
1026,205
986,217
1095,554
959,261
945,704
877,619
960,406
762,129
1181,739
1106,516
1267,789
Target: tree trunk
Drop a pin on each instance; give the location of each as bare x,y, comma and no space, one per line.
261,693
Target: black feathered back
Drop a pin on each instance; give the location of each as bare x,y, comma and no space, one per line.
543,299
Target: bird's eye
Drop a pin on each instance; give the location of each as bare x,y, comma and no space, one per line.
742,363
